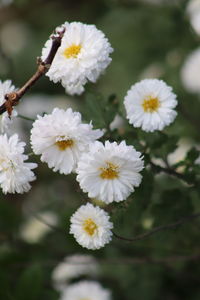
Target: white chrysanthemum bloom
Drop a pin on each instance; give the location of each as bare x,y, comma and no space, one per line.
190,72
82,56
91,227
150,105
109,173
6,87
60,138
15,174
85,290
73,267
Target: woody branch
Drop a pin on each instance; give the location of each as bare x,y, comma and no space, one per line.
12,99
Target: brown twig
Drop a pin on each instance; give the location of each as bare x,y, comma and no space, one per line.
13,98
158,229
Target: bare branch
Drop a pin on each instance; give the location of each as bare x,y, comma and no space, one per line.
13,98
172,172
158,229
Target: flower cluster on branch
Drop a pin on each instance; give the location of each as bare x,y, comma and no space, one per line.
107,170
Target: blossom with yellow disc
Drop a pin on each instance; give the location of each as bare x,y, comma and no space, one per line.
82,56
150,105
91,226
60,138
109,173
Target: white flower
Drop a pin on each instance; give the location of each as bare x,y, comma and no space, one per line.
60,138
82,56
150,105
85,290
73,267
15,174
33,230
6,87
190,72
91,227
109,173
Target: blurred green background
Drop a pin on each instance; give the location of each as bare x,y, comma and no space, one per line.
150,39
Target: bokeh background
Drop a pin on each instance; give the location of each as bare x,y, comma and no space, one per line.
151,39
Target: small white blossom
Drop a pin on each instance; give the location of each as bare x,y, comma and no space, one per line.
6,87
150,105
82,56
72,267
15,174
110,173
190,72
60,138
85,290
91,227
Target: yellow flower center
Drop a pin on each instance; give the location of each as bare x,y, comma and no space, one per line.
72,51
151,104
89,226
110,172
62,145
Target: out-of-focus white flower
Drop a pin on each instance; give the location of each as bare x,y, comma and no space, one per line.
117,123
150,105
190,72
193,11
60,138
34,229
91,227
154,70
15,174
85,290
110,173
6,87
73,267
82,56
5,2
179,154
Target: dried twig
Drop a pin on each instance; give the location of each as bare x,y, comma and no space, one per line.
12,99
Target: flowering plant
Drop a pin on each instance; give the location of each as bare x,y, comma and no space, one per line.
113,175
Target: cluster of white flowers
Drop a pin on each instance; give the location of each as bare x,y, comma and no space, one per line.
83,290
107,172
82,56
15,173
